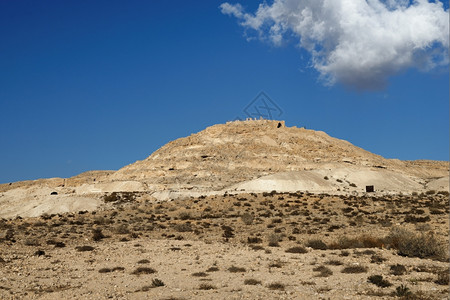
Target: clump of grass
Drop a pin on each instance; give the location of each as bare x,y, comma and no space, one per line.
354,269
143,270
143,261
155,283
402,291
199,274
334,262
317,244
377,259
297,249
256,247
254,240
422,245
108,270
84,248
234,269
379,281
212,269
206,286
251,281
398,269
247,218
276,286
323,271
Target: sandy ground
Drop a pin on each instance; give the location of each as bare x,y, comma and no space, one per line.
207,247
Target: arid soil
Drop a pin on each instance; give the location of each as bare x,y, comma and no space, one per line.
242,246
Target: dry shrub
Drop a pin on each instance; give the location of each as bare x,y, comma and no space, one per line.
379,281
354,269
317,244
422,245
297,249
143,270
234,269
363,241
251,282
276,286
206,286
247,218
323,271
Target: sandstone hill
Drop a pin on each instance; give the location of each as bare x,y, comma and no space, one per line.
240,156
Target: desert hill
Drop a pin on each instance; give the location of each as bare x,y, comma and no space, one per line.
239,156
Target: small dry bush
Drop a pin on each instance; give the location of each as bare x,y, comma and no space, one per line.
109,270
317,244
379,281
276,286
247,218
354,269
398,269
97,234
297,249
234,269
143,270
252,281
422,245
206,286
84,248
199,274
323,271
143,261
273,240
334,262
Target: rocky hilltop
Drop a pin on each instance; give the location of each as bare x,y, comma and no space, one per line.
239,156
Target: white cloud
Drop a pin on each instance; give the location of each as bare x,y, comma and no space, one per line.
359,43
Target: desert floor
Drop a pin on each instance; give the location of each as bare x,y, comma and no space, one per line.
245,246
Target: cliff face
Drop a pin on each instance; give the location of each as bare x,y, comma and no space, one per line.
226,154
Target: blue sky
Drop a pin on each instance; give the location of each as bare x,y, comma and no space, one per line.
96,85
